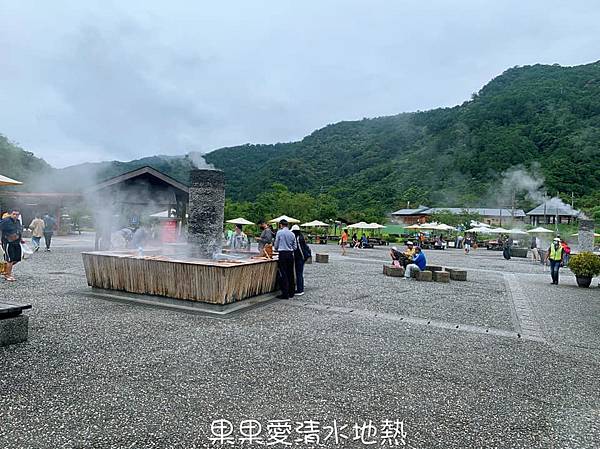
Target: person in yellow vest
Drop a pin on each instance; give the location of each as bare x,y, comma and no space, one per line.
555,256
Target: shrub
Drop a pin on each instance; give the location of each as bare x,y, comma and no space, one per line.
585,264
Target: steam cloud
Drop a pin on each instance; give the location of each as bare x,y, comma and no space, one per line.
197,159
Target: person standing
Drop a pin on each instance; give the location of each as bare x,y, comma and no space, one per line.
37,231
467,243
566,252
535,252
266,236
507,247
555,256
238,240
49,226
285,244
301,254
11,237
344,241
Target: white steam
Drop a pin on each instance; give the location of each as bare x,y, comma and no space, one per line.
197,159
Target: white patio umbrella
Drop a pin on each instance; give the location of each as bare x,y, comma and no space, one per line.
540,230
240,221
359,225
414,227
376,226
517,232
577,234
6,181
444,227
428,226
498,230
284,217
314,224
480,230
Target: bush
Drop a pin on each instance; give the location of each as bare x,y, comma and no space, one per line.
585,264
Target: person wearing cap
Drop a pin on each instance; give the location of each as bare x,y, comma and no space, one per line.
285,244
408,253
301,254
555,256
418,263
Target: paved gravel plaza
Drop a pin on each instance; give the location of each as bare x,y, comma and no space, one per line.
503,360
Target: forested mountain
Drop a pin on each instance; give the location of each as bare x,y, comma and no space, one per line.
450,156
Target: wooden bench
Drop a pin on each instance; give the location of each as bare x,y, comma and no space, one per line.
14,327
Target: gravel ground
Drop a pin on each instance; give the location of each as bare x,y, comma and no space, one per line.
96,373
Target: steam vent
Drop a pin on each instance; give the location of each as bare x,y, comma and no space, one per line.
206,212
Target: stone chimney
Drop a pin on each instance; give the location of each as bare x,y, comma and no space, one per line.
206,212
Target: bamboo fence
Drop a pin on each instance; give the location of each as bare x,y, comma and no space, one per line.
215,282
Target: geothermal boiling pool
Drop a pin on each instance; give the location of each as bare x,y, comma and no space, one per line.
162,272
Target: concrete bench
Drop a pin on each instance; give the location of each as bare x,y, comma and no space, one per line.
14,327
425,276
322,258
456,274
434,268
440,276
392,271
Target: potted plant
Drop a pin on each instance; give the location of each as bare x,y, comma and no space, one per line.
585,266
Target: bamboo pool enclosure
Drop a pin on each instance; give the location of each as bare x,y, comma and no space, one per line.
209,281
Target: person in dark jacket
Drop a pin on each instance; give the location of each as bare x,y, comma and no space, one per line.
301,254
49,226
11,231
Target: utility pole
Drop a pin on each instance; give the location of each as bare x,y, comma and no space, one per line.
512,212
545,201
572,199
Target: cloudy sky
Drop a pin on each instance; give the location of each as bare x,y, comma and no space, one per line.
88,81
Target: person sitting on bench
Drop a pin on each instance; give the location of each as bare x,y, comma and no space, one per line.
418,263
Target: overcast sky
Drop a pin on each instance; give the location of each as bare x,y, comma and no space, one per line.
89,81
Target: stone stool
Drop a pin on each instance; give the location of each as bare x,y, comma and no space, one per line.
392,271
322,258
434,268
441,276
425,276
457,275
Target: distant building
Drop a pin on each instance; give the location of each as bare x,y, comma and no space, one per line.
491,216
552,212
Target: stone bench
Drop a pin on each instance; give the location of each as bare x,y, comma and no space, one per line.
434,268
322,258
456,274
440,276
390,270
14,327
518,252
425,276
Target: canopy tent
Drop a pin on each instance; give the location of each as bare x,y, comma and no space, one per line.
314,224
165,214
239,221
540,230
477,224
359,225
517,232
284,217
5,181
480,230
444,227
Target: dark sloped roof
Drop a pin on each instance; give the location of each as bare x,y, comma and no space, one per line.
553,209
140,172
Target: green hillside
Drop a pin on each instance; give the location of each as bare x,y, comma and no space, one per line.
452,156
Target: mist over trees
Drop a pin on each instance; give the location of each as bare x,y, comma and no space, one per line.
540,116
